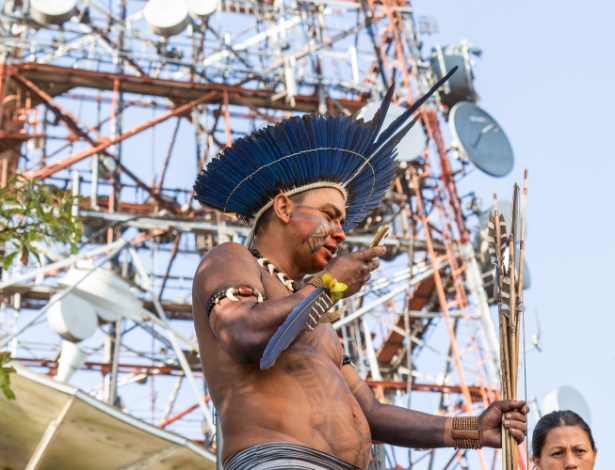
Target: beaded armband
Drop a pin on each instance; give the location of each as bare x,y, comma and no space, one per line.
346,360
333,288
466,432
231,293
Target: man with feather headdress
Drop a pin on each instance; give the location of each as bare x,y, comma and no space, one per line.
304,183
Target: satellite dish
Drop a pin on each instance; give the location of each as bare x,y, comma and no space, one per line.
49,12
459,87
72,317
71,359
108,294
411,146
481,139
566,398
166,17
202,8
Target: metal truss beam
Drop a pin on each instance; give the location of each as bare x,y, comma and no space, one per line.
67,78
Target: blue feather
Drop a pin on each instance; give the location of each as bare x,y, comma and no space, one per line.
396,124
378,120
392,135
304,315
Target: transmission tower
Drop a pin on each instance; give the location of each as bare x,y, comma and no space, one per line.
124,101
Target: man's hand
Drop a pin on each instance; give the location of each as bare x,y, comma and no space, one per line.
512,414
354,269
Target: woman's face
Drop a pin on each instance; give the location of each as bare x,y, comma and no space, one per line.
566,447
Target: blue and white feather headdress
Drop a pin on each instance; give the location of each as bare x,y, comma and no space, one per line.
307,152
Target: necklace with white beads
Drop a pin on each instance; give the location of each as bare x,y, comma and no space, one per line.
290,284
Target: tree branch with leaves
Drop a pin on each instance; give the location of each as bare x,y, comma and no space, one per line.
34,212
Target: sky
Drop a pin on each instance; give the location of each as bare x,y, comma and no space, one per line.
545,74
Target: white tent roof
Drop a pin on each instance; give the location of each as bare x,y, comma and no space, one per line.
52,425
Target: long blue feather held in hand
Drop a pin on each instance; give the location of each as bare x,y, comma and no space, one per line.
304,316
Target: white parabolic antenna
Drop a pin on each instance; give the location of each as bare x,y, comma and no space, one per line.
166,17
72,317
108,294
566,398
202,8
48,12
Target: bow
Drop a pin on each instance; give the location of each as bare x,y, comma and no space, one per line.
509,284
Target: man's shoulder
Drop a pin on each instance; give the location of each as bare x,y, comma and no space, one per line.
224,261
227,249
224,256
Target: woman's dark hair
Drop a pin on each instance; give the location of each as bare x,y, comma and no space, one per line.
555,420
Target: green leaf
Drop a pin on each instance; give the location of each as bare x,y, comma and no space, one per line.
39,208
8,259
5,379
5,357
8,393
36,254
32,211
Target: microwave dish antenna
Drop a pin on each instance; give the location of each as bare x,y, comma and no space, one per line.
166,17
52,12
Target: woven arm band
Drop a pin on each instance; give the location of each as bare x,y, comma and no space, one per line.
316,280
466,432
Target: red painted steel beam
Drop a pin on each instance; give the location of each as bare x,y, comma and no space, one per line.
105,367
66,117
49,170
433,126
74,125
181,414
172,89
476,392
